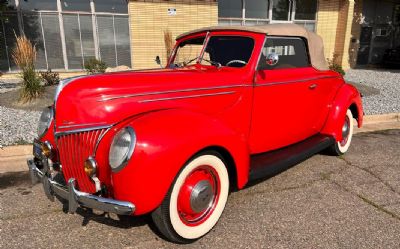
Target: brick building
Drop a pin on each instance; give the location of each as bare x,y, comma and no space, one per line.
131,32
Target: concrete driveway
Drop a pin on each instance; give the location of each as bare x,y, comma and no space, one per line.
325,202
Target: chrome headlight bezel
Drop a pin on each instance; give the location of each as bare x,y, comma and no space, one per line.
117,164
45,121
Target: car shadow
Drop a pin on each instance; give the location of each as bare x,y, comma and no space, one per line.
278,170
124,222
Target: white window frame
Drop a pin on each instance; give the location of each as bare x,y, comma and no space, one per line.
291,16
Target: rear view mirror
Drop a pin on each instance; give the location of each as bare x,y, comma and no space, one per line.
158,60
272,59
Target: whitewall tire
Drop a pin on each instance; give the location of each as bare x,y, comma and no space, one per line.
341,147
195,201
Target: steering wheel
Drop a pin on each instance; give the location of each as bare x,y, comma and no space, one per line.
236,61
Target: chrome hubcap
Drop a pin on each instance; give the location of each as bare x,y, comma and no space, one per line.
201,196
345,131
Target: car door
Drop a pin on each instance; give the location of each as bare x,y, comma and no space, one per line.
285,93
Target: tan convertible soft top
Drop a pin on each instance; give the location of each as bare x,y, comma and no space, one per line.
315,44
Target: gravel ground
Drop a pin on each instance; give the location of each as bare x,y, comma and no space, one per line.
17,126
388,83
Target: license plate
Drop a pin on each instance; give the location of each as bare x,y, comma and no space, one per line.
37,149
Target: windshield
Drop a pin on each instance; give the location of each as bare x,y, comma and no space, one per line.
229,51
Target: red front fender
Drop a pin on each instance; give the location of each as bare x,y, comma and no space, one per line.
166,140
346,97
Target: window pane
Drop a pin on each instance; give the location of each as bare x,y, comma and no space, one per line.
106,40
114,6
292,53
230,8
123,41
306,9
188,52
280,10
11,29
3,52
33,31
229,22
72,41
257,9
256,22
38,5
76,5
230,51
87,37
52,38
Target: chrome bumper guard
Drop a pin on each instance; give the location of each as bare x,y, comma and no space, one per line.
75,197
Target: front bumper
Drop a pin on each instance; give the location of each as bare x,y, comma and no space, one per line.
75,197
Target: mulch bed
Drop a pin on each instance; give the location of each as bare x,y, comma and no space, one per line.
11,100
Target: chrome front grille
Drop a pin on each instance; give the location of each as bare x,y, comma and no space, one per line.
74,149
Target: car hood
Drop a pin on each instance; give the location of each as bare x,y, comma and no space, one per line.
106,99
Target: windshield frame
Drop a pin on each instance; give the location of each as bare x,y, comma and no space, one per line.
176,48
207,36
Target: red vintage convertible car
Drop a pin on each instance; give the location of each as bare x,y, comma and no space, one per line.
232,105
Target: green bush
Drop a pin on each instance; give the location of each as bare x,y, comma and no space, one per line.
93,66
50,78
32,84
334,66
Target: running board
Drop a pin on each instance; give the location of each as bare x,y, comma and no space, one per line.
271,163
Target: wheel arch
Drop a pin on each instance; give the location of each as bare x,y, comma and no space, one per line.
229,163
347,97
354,110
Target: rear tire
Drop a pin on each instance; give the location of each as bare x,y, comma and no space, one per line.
341,147
195,201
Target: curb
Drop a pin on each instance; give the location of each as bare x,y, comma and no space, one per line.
13,158
390,117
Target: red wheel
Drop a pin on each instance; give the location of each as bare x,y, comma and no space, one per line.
196,200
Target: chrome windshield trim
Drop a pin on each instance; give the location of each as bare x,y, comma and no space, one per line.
187,97
174,91
205,43
62,133
295,81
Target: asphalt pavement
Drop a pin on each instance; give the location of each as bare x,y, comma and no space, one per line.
351,201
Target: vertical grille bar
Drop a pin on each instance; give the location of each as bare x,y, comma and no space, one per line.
74,149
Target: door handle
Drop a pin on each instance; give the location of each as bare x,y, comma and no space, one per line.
313,86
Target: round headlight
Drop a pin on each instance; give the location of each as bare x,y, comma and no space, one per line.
44,121
122,148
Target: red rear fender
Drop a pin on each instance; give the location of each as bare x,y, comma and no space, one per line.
346,97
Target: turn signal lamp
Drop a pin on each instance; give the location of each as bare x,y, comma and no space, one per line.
47,149
90,167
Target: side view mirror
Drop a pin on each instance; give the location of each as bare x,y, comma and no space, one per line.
272,59
158,60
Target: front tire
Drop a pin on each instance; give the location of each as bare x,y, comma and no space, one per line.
341,147
195,201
